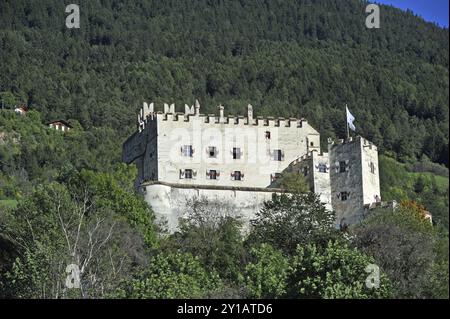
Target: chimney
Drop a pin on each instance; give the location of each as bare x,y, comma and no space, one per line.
221,115
197,107
188,109
249,114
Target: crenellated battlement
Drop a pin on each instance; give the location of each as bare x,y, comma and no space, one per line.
350,140
191,113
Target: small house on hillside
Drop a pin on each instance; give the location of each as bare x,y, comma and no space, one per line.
22,110
60,125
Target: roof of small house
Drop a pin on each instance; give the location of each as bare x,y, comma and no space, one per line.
62,122
23,108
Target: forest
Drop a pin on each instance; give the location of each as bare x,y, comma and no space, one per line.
67,198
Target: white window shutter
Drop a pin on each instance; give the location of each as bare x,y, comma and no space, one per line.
336,167
181,173
194,173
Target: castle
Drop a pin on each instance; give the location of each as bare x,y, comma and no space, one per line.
236,160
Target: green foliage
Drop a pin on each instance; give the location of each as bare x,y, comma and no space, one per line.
400,182
8,100
209,232
336,271
305,58
408,249
88,221
172,276
32,153
10,203
266,275
290,220
292,182
114,191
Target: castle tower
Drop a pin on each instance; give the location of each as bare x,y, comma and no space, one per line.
354,178
315,168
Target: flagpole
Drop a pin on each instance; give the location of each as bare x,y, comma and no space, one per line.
346,121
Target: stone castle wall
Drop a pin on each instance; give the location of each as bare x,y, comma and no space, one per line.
346,177
171,201
157,147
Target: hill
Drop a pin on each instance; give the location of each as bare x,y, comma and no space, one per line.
287,58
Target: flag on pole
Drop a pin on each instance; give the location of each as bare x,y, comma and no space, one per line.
350,119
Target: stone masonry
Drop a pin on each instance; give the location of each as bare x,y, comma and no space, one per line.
235,159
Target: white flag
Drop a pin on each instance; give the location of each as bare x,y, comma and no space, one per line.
350,119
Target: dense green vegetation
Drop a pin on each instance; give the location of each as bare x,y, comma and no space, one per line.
65,198
287,57
424,182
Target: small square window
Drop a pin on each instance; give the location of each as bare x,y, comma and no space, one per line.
267,134
342,166
322,168
274,177
212,151
188,173
344,196
311,144
305,171
236,153
278,155
372,167
187,150
237,175
212,174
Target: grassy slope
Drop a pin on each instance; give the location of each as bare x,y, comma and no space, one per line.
398,182
10,203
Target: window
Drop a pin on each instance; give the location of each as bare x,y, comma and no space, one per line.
278,155
188,173
344,196
322,168
342,167
187,150
311,144
372,167
212,151
305,171
236,153
274,177
267,134
237,175
212,174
